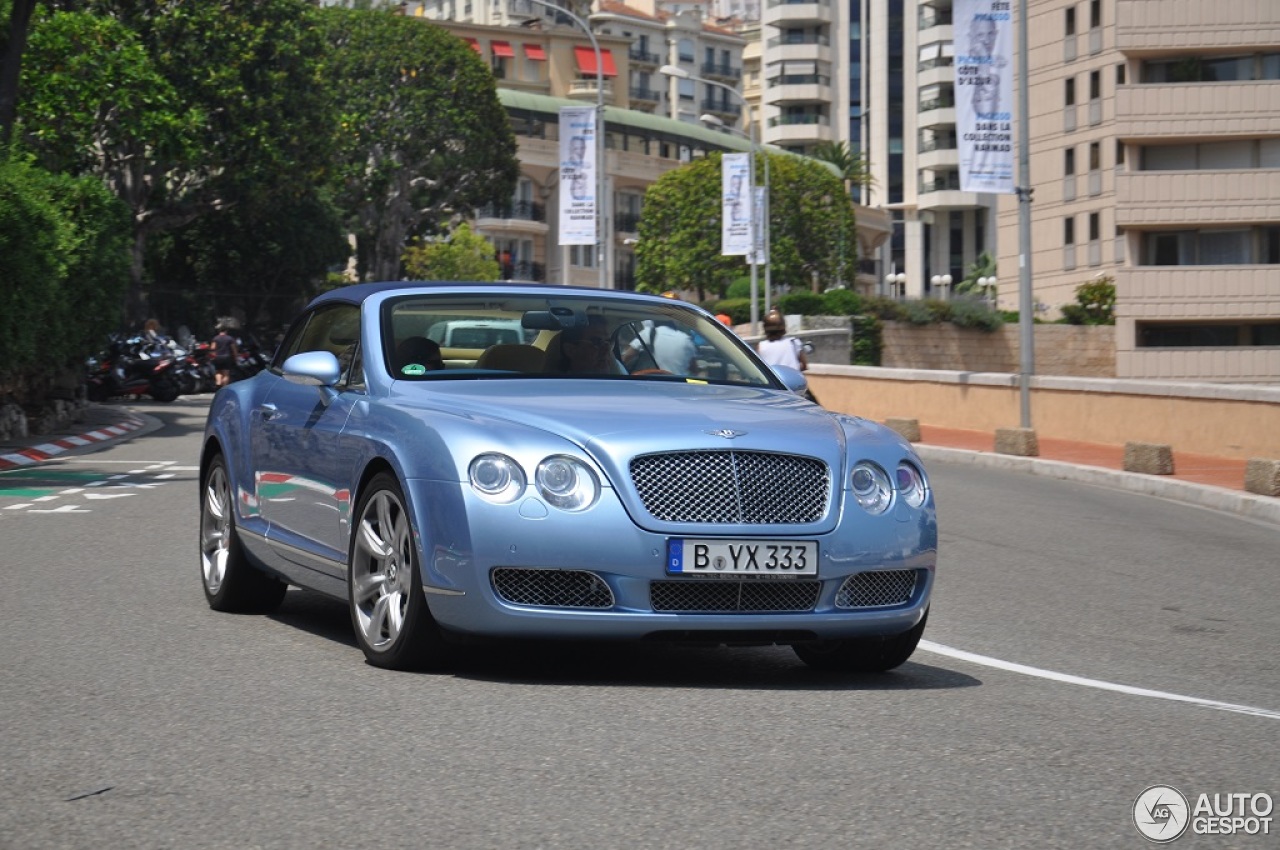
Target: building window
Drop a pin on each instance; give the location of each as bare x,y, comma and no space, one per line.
1095,156
582,256
1095,226
1119,153
1216,247
1069,162
1069,91
1120,72
1070,25
1069,230
1095,85
1221,335
1095,14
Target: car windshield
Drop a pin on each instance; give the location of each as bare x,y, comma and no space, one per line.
444,336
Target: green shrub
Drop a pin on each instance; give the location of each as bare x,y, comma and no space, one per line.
739,309
973,313
841,302
740,288
868,341
65,244
803,302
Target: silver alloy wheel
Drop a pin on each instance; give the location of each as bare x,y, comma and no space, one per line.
215,529
382,570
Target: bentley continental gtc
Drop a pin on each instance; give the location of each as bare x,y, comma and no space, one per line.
484,461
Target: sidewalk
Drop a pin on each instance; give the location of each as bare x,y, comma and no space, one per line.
103,424
1212,482
1207,481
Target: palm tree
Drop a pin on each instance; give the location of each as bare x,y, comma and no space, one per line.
852,164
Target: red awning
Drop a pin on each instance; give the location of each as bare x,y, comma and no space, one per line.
475,45
502,49
535,52
586,57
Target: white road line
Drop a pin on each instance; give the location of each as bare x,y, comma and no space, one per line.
987,661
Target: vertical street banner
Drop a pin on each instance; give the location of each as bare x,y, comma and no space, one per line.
578,175
758,219
984,94
735,205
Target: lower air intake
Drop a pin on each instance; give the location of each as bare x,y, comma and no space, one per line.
551,588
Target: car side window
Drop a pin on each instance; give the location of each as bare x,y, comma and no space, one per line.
333,327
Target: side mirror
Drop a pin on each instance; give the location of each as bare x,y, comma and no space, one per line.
793,379
312,369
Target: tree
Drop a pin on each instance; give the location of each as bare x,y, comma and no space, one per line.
852,164
13,43
463,256
812,227
178,106
984,266
423,139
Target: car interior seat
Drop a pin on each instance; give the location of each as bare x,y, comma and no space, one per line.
511,357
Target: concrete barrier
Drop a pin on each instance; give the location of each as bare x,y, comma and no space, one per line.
1224,420
1148,458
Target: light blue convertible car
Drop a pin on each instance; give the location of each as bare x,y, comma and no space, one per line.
484,460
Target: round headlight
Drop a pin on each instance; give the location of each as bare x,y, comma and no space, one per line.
567,483
911,485
496,477
871,487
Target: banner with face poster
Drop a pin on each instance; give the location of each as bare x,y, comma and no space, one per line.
984,94
577,175
735,205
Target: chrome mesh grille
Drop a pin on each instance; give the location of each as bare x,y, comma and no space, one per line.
732,487
877,589
551,588
728,595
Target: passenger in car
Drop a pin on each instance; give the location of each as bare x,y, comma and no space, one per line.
585,349
416,355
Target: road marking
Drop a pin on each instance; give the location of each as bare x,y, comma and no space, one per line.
64,509
108,495
1053,675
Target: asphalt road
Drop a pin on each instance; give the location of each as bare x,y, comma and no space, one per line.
131,716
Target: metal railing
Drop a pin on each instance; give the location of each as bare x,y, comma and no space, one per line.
519,210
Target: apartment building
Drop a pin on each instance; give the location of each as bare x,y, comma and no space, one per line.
879,75
1155,159
543,60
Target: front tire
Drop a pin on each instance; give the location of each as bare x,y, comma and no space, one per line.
389,612
164,389
862,655
231,583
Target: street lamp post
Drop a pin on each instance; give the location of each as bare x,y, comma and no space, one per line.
942,283
988,285
601,177
897,284
681,73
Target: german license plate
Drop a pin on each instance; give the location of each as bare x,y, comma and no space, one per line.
742,558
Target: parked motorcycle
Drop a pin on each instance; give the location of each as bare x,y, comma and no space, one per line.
132,367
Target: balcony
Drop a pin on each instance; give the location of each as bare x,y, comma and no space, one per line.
524,270
1177,111
645,96
722,109
1153,25
626,223
796,12
798,88
800,129
1201,198
517,217
937,112
938,157
644,57
809,48
721,70
586,90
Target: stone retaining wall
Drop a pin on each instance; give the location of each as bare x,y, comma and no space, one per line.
1083,351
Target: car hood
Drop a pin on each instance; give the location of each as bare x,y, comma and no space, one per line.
620,419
